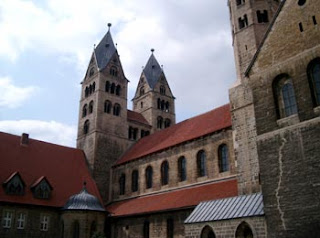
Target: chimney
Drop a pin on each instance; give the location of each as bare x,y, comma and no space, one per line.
24,139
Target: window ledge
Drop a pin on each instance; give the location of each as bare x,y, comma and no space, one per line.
317,110
288,121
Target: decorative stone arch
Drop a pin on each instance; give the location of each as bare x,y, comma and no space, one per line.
207,232
245,230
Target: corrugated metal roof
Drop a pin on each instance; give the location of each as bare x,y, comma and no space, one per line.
228,208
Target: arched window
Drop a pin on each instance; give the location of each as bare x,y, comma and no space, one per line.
91,107
113,88
167,106
86,92
76,229
141,91
118,90
244,231
149,173
162,90
182,169
165,173
170,228
84,110
146,229
167,123
116,109
114,71
201,163
159,122
135,180
223,158
91,72
162,105
314,80
90,89
122,184
207,232
107,106
159,103
284,95
86,127
93,228
107,86
93,86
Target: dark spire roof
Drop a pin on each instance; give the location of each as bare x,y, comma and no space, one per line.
83,201
105,50
152,71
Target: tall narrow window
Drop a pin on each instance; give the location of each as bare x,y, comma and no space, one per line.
167,123
163,104
243,22
107,86
149,173
7,219
284,96
223,158
84,110
93,228
182,169
44,222
159,103
114,71
314,80
107,106
262,16
201,163
146,229
21,222
112,88
141,91
91,107
165,173
91,73
135,180
93,86
122,184
86,92
116,109
118,90
86,127
162,90
167,106
76,229
170,228
159,122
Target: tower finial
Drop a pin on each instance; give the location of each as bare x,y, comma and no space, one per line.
152,50
109,25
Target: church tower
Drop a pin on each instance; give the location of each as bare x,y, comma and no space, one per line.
102,127
249,22
153,97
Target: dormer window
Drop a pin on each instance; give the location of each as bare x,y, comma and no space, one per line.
41,188
14,185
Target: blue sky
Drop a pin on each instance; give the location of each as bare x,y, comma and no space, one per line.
46,46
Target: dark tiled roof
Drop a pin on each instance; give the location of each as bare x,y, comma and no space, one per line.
152,71
83,201
136,117
173,200
64,168
212,121
228,208
264,38
104,51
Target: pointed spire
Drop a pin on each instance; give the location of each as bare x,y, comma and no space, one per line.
152,70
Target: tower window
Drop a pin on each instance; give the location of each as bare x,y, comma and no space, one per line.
91,107
116,109
141,104
162,90
159,103
113,88
114,71
223,158
300,27
159,122
165,173
284,96
262,16
122,183
314,20
149,173
86,92
314,80
91,72
201,163
107,106
84,110
167,106
240,2
135,180
118,90
141,91
107,86
167,123
182,169
243,22
86,127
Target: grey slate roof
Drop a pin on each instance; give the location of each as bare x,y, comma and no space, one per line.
152,71
83,201
228,208
104,51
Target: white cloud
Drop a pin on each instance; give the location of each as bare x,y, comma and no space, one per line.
51,131
12,96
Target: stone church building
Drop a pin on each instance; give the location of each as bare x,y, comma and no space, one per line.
246,169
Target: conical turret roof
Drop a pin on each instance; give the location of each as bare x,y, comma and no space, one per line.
152,71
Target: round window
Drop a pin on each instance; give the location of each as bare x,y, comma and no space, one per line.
301,2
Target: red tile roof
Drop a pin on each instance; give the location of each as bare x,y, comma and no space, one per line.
64,168
212,121
136,117
178,199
